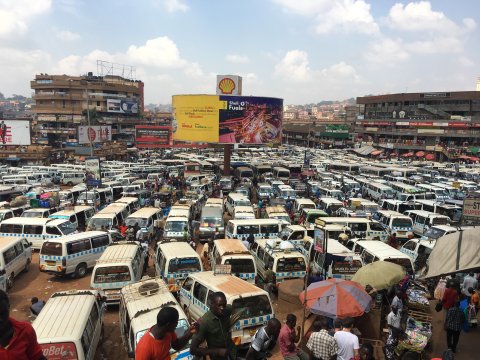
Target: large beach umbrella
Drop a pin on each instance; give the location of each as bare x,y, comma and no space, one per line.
379,274
336,297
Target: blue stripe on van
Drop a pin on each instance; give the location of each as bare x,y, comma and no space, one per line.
40,236
260,320
73,256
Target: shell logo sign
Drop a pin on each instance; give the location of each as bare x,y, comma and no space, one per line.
229,85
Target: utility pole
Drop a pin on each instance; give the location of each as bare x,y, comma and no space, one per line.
88,121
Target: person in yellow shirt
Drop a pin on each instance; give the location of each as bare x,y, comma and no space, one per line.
474,299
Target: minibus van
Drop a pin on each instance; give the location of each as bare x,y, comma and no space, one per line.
303,203
280,257
243,212
233,252
70,325
286,192
379,191
251,304
98,197
147,219
36,230
260,228
235,199
175,227
264,191
416,247
278,213
108,218
73,254
174,261
360,227
38,212
15,257
139,306
396,223
120,264
132,203
294,233
423,220
211,219
309,216
72,178
281,173
330,205
77,215
332,193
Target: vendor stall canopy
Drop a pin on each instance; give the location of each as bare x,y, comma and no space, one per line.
457,252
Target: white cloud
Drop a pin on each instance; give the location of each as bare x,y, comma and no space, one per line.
334,15
465,61
237,59
469,24
294,66
386,51
175,5
340,70
159,52
15,15
437,45
66,35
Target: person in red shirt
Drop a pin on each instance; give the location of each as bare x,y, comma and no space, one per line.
155,344
17,338
123,229
450,296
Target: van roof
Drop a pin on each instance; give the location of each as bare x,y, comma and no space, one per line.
73,237
230,285
6,241
64,316
119,251
126,200
230,247
145,212
29,221
278,253
380,249
177,249
301,201
296,227
74,210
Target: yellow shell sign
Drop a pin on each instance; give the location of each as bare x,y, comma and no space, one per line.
227,85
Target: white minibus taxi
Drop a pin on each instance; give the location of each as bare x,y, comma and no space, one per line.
70,325
120,264
36,230
232,252
359,227
236,199
139,305
73,254
423,220
174,261
108,218
396,223
15,258
77,215
338,261
260,228
147,219
251,303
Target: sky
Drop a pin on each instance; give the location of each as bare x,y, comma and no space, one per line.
303,51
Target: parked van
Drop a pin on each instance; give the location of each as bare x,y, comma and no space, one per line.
15,257
281,173
148,219
338,262
264,191
8,213
211,219
132,203
108,218
332,193
260,228
235,199
359,227
175,227
174,261
437,231
98,197
278,213
120,264
330,205
396,223
251,304
309,216
70,325
72,178
280,257
38,212
77,215
139,305
232,252
243,212
295,234
36,230
286,192
423,220
73,254
418,247
303,203
378,191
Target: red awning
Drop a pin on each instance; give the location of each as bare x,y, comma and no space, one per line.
430,157
376,152
464,157
474,158
409,154
420,154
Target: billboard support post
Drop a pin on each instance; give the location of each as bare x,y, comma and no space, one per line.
227,154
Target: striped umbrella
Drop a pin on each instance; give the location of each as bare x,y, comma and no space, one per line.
336,297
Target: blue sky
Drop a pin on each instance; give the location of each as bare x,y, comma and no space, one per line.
300,50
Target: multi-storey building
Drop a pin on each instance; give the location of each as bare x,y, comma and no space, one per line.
443,124
61,102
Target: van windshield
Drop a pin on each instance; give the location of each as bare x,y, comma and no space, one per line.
176,226
190,264
241,266
434,233
139,221
252,306
291,264
211,221
440,221
32,214
111,274
51,248
87,196
402,223
67,227
98,223
243,203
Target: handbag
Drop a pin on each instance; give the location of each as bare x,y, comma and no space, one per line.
438,306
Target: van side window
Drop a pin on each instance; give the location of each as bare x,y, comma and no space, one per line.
11,228
9,255
210,298
100,241
367,257
187,284
254,247
18,248
52,230
261,253
33,229
8,215
268,260
87,336
375,226
411,245
358,227
268,229
94,315
78,246
199,292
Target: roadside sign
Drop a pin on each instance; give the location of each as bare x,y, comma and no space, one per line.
471,208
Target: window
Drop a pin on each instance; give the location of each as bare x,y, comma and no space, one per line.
411,245
268,260
200,292
87,336
100,241
187,284
52,230
375,227
9,255
78,246
51,248
358,227
11,228
94,315
269,229
33,229
18,249
254,247
261,253
367,258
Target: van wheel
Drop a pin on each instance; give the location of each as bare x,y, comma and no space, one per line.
70,183
27,265
81,270
10,281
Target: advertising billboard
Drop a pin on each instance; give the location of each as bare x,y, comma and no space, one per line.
122,106
94,134
15,132
153,137
92,170
229,85
227,119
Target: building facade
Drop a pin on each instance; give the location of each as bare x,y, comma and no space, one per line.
447,124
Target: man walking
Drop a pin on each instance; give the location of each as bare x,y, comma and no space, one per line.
453,325
264,340
347,342
287,339
321,344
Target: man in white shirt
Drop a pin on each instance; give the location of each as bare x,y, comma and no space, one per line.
347,342
469,282
394,321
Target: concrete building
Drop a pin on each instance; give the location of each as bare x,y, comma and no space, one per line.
445,124
61,102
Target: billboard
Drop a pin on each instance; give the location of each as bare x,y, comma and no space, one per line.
92,170
94,134
229,85
227,119
122,106
15,132
153,137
